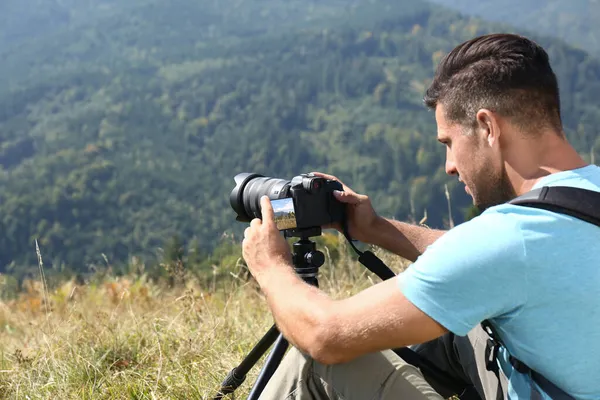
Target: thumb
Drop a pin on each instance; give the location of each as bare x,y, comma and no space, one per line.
346,197
266,209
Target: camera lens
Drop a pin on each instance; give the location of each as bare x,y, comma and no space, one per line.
245,197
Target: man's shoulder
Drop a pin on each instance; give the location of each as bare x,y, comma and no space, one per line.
503,218
512,218
585,178
493,234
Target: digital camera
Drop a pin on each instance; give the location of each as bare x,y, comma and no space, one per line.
305,202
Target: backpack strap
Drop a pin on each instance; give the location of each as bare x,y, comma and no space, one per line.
579,203
491,355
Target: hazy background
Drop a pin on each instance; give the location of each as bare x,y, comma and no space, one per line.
123,122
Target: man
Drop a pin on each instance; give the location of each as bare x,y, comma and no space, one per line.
534,274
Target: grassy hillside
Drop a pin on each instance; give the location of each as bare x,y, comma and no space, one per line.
132,338
123,128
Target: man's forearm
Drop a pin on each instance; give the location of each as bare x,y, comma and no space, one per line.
298,308
406,240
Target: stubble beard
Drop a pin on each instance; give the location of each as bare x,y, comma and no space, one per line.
493,189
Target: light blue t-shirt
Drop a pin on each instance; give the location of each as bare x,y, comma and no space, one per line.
535,274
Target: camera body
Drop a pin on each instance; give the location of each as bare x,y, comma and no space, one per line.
305,202
314,202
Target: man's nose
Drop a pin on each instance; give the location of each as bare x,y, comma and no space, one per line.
450,165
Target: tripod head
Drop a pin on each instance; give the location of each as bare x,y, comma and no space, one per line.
305,256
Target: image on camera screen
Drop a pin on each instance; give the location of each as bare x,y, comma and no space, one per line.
285,214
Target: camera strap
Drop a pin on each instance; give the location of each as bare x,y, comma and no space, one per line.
376,266
367,258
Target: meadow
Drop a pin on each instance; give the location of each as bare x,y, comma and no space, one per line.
133,337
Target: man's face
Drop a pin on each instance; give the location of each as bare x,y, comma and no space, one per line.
477,163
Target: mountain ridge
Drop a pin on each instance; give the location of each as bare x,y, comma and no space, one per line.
108,157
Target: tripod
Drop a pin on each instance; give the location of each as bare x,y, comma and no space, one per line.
307,260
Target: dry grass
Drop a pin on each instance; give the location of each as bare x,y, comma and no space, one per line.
131,339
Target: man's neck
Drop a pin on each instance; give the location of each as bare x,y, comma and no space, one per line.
557,155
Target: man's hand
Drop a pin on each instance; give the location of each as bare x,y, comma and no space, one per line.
264,247
360,212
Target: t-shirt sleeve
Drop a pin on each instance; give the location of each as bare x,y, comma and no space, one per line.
474,272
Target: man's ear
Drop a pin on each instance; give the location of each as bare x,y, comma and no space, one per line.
488,127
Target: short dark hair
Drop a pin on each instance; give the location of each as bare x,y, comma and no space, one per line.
505,73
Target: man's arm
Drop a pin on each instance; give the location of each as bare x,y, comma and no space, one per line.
336,331
403,239
330,331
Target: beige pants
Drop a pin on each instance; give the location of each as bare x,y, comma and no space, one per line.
374,376
385,376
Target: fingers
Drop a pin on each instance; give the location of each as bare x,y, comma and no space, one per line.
268,218
322,175
347,197
333,178
255,223
266,209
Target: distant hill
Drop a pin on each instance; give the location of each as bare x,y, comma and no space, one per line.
575,21
121,127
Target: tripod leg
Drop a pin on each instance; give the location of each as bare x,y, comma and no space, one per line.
307,260
269,368
237,375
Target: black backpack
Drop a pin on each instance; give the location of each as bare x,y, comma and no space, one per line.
579,203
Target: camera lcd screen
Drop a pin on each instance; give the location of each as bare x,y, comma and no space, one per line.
285,214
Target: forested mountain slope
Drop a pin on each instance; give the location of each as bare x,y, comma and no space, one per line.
575,21
121,126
